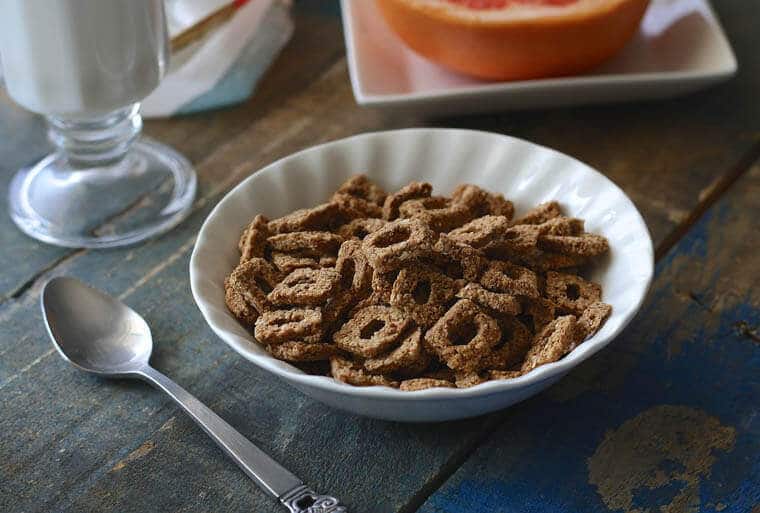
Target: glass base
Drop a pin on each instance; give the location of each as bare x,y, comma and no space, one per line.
144,194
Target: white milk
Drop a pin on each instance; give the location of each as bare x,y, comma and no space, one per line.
81,58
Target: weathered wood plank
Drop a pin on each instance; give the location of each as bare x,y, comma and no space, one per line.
663,420
49,408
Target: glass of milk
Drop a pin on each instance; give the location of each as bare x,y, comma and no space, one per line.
85,65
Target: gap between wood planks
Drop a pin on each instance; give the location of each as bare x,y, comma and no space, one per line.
706,200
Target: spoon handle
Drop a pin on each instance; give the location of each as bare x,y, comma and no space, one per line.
265,472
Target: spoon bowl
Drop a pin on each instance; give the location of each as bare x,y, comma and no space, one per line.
94,331
102,335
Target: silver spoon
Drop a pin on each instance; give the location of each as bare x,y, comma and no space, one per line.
102,335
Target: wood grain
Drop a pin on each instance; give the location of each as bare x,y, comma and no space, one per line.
71,443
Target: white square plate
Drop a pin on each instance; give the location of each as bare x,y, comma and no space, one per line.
679,48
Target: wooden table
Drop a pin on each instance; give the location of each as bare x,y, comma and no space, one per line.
665,419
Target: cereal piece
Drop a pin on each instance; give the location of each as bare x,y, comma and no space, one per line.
351,372
362,187
299,351
372,331
481,231
586,245
561,226
398,243
511,278
328,260
354,268
252,280
540,214
436,212
546,261
306,243
571,293
351,207
593,317
321,217
482,202
470,379
360,228
382,285
555,341
500,374
408,356
463,336
279,326
289,262
336,308
411,385
422,294
536,313
239,307
412,190
469,261
253,242
512,347
505,304
306,287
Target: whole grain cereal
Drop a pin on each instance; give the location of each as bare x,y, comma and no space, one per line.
413,291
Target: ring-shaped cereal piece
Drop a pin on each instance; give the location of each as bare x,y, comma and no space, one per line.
507,277
557,339
351,207
463,336
571,293
593,317
398,243
253,280
482,202
512,347
502,303
422,294
468,261
299,351
481,231
306,287
253,241
410,385
240,308
372,331
306,243
413,190
540,214
408,358
277,326
586,245
289,262
360,228
354,268
321,217
362,187
352,372
439,213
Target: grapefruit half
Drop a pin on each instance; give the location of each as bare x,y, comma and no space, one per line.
515,39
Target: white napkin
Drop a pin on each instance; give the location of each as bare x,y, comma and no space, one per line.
224,67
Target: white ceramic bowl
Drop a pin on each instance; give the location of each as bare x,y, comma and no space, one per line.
524,172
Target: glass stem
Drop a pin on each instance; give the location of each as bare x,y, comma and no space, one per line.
98,141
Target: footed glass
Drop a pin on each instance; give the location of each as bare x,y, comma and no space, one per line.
85,65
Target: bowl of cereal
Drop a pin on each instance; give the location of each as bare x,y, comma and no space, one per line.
422,274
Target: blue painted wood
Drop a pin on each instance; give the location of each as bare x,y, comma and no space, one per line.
664,420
